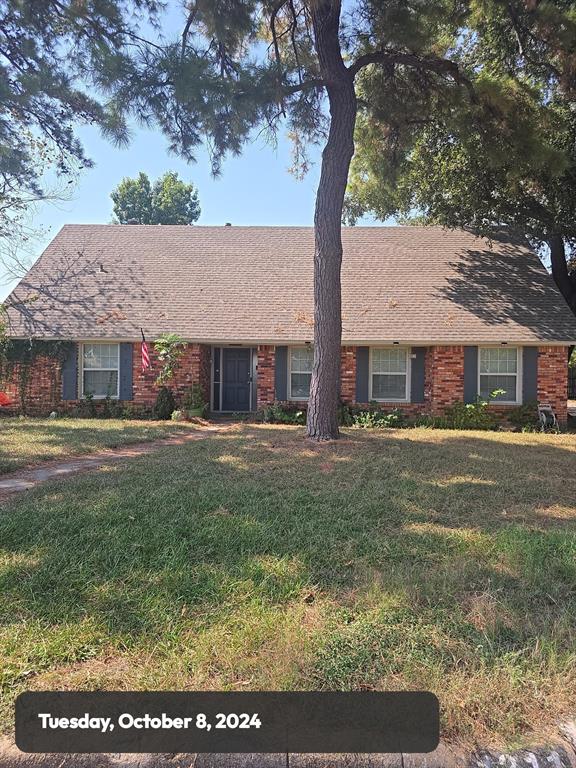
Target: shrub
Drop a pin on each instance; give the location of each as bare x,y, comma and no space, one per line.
463,416
345,415
87,406
376,419
282,414
164,404
525,417
111,409
129,412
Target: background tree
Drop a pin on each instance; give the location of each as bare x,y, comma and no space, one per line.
174,201
132,200
168,201
244,65
506,158
50,51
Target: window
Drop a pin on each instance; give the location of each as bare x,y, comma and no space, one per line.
389,374
498,369
100,366
301,359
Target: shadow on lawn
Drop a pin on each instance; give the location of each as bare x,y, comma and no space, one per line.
459,549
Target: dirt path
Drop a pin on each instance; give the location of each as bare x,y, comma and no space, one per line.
25,479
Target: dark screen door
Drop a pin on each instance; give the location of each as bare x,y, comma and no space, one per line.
236,379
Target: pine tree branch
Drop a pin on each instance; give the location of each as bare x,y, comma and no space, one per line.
426,63
317,82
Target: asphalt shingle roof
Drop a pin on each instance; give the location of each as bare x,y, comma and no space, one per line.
415,285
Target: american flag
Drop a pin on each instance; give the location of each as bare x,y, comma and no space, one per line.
145,354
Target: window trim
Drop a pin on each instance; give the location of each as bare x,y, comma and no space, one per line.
82,369
289,367
408,373
518,374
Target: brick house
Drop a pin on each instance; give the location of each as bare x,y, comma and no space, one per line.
430,317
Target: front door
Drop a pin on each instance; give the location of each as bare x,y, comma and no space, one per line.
236,379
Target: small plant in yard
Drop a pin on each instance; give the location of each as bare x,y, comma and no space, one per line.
376,419
194,403
88,406
164,405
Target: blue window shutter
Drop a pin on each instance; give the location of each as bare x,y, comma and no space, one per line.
70,374
281,373
126,351
362,373
530,374
470,374
417,374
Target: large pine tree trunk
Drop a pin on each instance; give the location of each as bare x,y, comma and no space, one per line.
322,421
564,281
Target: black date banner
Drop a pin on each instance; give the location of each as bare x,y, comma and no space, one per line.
398,721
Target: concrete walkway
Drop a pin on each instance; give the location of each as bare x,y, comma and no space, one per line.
25,479
443,757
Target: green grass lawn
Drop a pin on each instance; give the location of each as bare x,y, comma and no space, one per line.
28,441
254,560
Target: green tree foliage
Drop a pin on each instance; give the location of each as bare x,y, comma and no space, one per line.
504,158
52,55
169,201
132,200
244,66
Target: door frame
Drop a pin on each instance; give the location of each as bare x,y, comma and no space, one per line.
217,407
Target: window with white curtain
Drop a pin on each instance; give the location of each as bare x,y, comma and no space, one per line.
100,370
389,374
301,359
498,368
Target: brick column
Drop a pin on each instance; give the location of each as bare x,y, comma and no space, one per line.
144,390
265,381
446,377
553,379
200,369
348,375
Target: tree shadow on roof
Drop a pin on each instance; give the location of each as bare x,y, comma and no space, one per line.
509,286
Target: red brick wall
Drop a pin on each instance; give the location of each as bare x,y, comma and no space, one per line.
443,385
348,375
43,389
193,367
265,379
446,378
553,379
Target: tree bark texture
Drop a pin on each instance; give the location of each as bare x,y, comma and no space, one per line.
565,282
322,420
